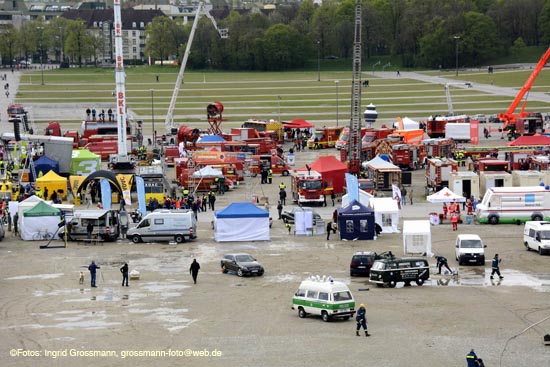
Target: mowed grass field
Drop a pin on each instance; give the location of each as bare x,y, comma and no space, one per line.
265,96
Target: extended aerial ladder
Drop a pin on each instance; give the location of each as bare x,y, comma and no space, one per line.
509,117
354,149
169,122
122,162
448,95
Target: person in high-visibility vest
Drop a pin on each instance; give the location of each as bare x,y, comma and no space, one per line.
454,220
270,176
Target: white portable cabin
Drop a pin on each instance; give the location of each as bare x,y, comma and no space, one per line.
417,237
490,179
464,182
386,214
527,178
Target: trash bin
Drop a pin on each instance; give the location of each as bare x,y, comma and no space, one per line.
320,227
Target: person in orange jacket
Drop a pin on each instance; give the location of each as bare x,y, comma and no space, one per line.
454,220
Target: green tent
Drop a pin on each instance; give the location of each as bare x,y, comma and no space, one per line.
42,209
39,220
84,162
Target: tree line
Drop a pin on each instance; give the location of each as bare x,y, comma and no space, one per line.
420,33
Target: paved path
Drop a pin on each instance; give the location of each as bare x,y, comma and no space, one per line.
487,88
13,81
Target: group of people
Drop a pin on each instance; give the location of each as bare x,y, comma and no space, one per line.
92,114
124,270
198,204
453,210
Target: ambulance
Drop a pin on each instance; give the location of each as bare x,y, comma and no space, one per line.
325,297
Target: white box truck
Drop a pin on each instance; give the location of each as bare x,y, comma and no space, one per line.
514,205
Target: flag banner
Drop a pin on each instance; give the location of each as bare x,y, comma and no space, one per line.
140,185
105,193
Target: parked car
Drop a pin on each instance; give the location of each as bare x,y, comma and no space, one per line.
288,215
241,263
361,262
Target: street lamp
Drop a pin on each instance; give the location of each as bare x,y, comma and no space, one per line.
279,107
318,60
41,54
153,118
62,45
337,97
457,37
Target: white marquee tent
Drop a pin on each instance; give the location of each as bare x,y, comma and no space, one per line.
386,214
417,237
445,196
241,222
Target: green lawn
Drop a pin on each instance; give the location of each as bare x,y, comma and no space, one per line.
260,95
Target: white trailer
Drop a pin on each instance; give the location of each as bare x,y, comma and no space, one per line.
458,131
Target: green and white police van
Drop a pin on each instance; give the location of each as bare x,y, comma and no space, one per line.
325,297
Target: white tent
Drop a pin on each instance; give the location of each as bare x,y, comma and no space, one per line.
38,220
386,214
208,171
364,198
417,237
408,124
445,196
241,222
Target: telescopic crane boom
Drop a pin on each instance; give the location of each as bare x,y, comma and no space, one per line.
354,152
169,122
509,117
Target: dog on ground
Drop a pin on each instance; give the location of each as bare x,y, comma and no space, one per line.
81,278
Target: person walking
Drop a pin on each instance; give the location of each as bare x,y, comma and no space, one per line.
93,268
124,271
89,230
454,220
280,210
282,196
496,267
471,359
332,197
361,319
194,270
329,229
442,262
403,195
411,196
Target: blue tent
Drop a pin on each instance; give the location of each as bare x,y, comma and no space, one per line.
241,222
45,165
356,222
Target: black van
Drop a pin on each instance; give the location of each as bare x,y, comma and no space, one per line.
391,271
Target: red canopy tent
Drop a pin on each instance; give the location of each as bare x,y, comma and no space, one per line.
298,124
536,140
332,170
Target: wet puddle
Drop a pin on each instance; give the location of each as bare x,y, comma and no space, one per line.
480,277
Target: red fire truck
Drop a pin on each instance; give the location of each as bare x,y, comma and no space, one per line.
438,172
407,156
491,165
441,148
307,187
435,125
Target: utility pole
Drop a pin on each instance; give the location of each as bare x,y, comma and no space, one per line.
457,37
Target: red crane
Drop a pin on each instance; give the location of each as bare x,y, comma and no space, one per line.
512,121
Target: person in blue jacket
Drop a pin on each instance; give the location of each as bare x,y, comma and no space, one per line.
472,359
92,268
361,319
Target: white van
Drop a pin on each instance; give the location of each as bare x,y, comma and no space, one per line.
165,225
469,249
325,297
536,236
514,205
